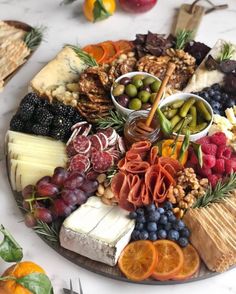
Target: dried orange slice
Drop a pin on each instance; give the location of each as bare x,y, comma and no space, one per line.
96,51
170,260
191,263
138,260
110,51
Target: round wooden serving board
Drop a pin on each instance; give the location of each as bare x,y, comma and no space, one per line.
108,271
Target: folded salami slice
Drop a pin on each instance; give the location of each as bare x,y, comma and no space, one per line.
153,156
131,155
135,191
137,167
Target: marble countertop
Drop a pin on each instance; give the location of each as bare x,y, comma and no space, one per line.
66,24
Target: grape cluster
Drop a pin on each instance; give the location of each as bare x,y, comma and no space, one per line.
156,223
217,98
57,196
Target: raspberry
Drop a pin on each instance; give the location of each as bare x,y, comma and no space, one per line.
208,161
204,140
223,152
219,167
204,172
213,179
230,165
209,149
218,138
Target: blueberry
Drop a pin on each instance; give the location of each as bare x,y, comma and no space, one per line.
141,219
230,103
168,206
211,92
144,235
183,242
172,218
151,207
216,87
163,220
173,235
205,95
152,236
225,96
168,226
169,213
152,227
133,215
160,210
162,234
215,105
140,211
217,98
185,232
178,225
154,216
135,235
139,226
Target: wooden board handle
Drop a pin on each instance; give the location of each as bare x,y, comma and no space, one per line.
169,72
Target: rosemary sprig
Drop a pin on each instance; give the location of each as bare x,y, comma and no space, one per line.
220,192
227,52
182,38
87,59
34,37
50,233
111,172
114,120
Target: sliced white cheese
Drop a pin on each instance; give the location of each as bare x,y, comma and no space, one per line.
97,231
202,77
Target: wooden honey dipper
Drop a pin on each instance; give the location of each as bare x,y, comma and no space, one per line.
144,128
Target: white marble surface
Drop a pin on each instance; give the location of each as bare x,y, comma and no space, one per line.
67,25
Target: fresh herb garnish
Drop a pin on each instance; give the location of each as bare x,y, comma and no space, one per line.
182,38
114,120
34,37
50,233
10,250
184,146
227,52
84,56
221,191
99,11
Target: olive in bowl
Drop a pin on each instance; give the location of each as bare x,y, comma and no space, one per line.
134,91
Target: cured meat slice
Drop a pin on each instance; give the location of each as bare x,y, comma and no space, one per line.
116,184
103,139
145,195
102,161
173,162
135,190
153,156
70,150
121,144
122,164
78,125
92,175
141,147
81,144
79,163
113,138
137,167
108,132
96,142
130,156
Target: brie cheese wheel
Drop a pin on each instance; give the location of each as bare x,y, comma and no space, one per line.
97,231
202,77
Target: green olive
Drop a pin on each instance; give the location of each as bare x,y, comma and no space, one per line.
135,104
138,83
131,90
155,86
137,77
148,81
144,96
118,90
153,97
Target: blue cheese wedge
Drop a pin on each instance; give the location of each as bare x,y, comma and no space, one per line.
97,231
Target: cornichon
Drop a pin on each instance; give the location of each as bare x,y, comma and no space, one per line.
193,112
175,120
177,104
171,113
203,110
186,106
182,123
198,128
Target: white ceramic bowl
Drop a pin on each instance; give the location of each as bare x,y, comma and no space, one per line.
185,96
123,110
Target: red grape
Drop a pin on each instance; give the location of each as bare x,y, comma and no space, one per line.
89,187
81,197
26,205
44,180
69,197
43,214
30,220
28,191
47,189
74,180
59,176
60,208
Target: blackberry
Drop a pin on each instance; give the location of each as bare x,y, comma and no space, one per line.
28,127
70,111
58,121
43,116
58,134
59,108
39,129
45,104
16,124
31,98
76,118
26,111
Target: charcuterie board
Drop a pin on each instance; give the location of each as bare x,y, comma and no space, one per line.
129,200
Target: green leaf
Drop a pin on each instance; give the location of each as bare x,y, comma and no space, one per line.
99,11
197,148
84,56
37,283
184,146
227,52
10,250
165,124
182,38
34,37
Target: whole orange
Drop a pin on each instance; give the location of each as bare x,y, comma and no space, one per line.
88,8
18,270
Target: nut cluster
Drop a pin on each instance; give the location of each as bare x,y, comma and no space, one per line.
187,189
104,190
